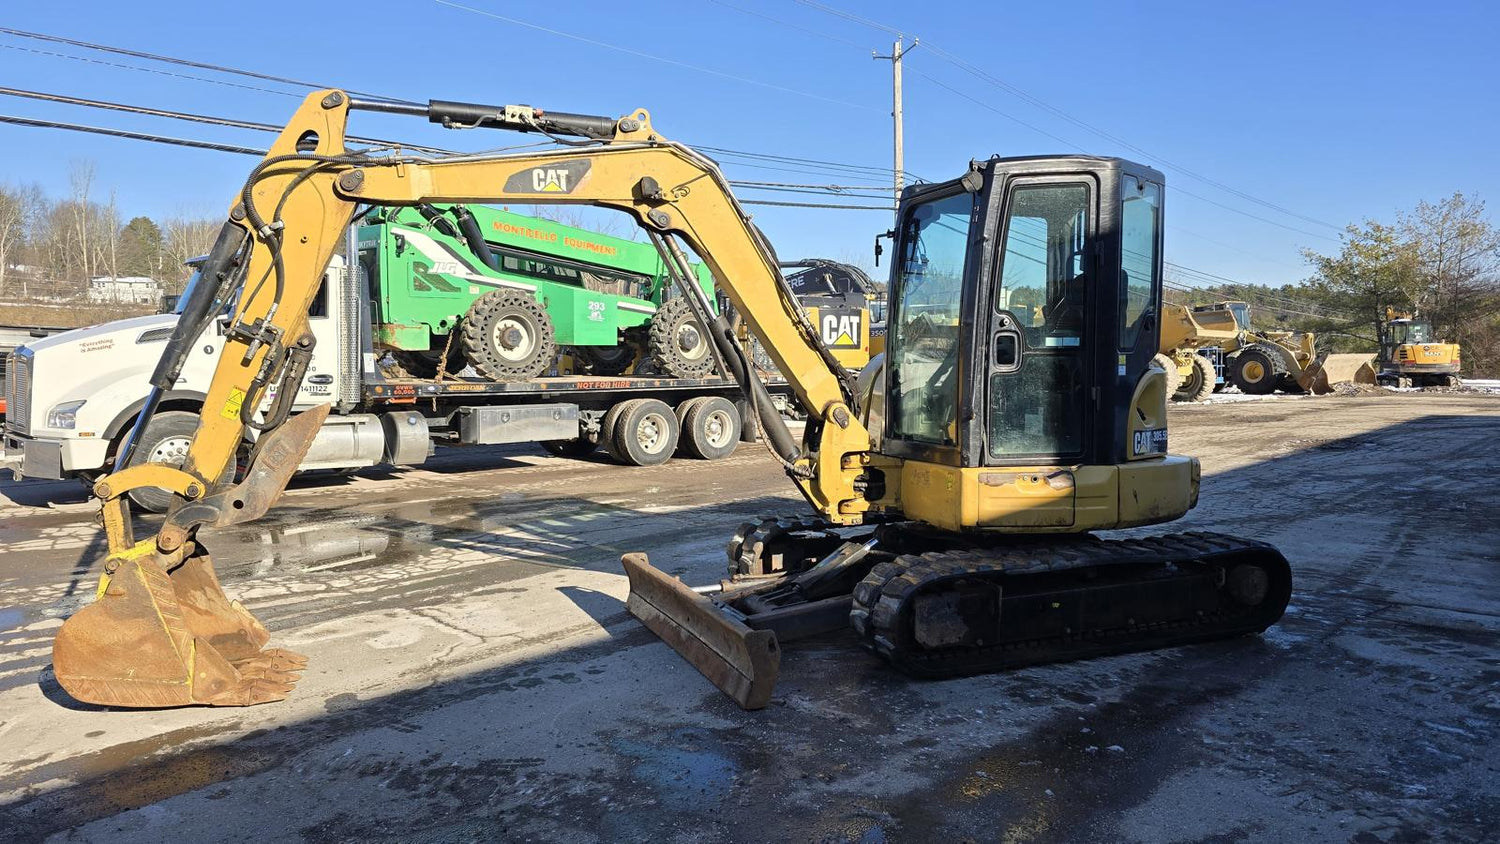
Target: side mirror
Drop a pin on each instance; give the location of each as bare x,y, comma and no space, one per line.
880,250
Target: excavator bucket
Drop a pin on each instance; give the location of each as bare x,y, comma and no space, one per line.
163,633
742,662
1329,370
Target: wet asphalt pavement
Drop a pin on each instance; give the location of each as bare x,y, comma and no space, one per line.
475,676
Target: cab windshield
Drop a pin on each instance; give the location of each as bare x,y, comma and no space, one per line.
924,340
1413,332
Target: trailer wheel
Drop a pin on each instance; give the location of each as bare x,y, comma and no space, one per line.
645,433
678,343
1256,371
710,427
1165,363
577,447
610,422
507,336
605,360
1199,385
166,440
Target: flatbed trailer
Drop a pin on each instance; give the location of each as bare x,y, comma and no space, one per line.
569,414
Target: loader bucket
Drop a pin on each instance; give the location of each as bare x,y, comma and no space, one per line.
1329,370
743,663
163,633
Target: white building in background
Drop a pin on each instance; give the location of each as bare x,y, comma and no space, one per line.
131,290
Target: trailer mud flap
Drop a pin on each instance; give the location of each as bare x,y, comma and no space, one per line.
743,663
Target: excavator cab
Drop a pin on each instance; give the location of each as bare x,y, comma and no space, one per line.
1025,304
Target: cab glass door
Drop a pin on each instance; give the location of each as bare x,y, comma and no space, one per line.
1044,299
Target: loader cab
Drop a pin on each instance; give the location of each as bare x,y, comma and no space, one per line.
1024,314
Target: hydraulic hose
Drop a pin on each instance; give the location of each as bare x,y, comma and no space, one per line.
217,279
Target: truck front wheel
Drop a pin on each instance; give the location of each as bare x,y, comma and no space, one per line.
165,440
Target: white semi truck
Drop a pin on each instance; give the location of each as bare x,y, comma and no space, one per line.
73,398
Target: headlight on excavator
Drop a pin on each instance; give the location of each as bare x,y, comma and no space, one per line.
64,415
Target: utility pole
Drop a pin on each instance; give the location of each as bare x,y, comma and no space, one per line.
895,59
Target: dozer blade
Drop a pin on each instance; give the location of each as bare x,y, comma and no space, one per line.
743,663
1329,370
163,633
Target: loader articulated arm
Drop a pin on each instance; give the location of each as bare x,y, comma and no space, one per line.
162,632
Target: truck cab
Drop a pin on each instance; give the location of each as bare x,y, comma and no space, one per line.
74,396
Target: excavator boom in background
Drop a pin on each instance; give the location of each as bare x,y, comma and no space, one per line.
953,486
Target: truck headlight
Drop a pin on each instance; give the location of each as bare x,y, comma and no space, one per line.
64,415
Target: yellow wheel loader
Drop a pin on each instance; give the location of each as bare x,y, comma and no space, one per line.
1194,343
1211,344
954,488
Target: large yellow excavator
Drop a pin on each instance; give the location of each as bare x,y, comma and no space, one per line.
954,487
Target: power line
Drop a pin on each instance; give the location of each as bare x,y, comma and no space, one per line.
849,16
103,63
764,16
239,150
833,188
193,118
134,136
645,55
885,208
57,39
978,73
803,166
867,171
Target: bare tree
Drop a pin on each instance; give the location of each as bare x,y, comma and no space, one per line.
1458,263
188,237
107,235
81,181
17,205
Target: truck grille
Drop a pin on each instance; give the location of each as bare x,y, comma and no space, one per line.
18,391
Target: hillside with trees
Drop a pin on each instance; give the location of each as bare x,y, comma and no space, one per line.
53,248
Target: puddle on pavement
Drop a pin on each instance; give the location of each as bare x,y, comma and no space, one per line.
525,530
686,776
10,619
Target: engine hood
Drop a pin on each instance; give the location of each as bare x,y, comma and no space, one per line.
110,334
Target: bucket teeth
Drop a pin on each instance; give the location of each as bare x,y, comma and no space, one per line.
163,633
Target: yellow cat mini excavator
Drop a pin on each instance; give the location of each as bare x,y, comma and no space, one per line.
953,486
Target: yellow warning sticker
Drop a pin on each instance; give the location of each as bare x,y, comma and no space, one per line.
233,404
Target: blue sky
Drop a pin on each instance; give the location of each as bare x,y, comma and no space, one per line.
1332,111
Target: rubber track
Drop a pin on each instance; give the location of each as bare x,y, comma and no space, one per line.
881,601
